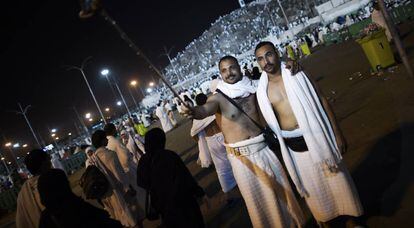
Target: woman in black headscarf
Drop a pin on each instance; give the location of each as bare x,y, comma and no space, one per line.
174,192
65,209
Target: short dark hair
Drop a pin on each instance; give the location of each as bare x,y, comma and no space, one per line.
201,99
228,57
54,188
35,160
154,140
97,138
264,43
110,129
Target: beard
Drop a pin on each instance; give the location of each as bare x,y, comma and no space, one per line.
272,68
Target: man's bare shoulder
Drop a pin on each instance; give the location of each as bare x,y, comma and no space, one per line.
216,97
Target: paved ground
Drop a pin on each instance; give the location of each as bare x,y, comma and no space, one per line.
376,113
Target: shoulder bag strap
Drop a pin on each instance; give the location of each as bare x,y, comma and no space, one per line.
240,109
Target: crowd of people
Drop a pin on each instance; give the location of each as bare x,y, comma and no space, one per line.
293,153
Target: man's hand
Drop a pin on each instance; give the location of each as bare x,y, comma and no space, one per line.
293,66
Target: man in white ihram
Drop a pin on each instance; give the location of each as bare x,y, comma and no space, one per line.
310,139
162,114
127,162
258,173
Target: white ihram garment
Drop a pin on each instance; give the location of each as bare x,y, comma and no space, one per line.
221,161
212,149
128,165
264,185
29,207
166,124
327,194
116,204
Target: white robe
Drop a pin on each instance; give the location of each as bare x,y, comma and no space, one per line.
116,204
134,146
29,206
212,149
328,194
162,114
170,113
264,186
221,161
128,165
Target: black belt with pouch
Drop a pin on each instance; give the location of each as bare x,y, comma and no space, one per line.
296,144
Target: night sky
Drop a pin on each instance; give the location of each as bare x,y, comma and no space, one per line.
41,37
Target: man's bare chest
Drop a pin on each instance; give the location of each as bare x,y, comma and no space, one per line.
277,93
247,104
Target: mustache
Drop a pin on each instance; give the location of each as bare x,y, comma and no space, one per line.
269,65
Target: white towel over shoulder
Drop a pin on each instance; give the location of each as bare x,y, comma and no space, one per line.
312,120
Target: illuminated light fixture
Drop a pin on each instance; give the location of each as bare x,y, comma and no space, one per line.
105,72
134,83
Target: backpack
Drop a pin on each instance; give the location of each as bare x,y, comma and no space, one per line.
94,183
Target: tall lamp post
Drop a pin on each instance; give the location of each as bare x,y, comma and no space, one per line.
133,98
23,112
87,83
5,165
134,84
105,73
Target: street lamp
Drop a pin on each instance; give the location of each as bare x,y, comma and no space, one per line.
53,130
69,134
87,83
8,144
105,73
118,103
16,145
53,135
90,120
149,90
88,115
151,84
24,145
134,84
107,110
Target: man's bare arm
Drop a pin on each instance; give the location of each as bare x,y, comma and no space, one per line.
203,111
